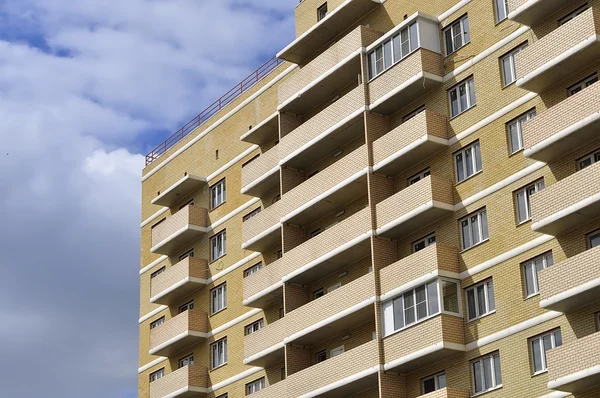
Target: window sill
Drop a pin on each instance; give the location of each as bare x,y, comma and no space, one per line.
516,152
531,296
463,112
541,372
217,259
528,221
218,367
218,312
482,316
215,208
468,178
486,391
474,246
453,53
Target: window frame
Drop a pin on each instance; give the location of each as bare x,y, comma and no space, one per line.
486,290
157,322
492,356
189,358
590,236
321,356
426,240
479,214
185,307
573,14
249,329
377,56
497,10
223,344
518,123
469,84
338,350
215,195
419,176
512,62
214,298
251,214
464,41
158,272
543,359
593,157
436,381
582,84
222,235
153,375
253,269
547,261
537,186
412,114
475,146
320,14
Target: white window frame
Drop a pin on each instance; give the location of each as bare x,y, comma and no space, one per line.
526,193
157,322
320,14
188,203
582,85
186,361
501,8
252,270
321,356
189,253
255,386
157,375
186,307
251,214
490,306
591,236
436,380
516,126
426,241
479,362
413,114
593,157
539,342
474,149
334,352
573,14
530,267
419,176
457,29
218,353
157,272
218,298
218,245
218,194
333,287
509,61
391,51
482,230
254,327
468,85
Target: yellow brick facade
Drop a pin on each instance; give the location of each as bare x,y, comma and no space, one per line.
320,160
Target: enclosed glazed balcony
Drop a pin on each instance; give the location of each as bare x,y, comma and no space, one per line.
266,347
571,124
178,333
181,228
176,192
533,12
561,53
179,281
340,122
263,132
414,207
424,343
572,283
339,184
327,74
575,367
327,29
263,230
262,174
409,143
264,287
568,203
189,381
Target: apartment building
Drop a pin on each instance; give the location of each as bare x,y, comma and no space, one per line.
405,202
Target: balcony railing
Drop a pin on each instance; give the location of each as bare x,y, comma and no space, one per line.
561,53
533,12
189,381
179,229
178,333
575,366
262,174
568,203
265,285
179,281
566,126
572,283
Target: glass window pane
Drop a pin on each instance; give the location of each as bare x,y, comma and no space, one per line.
421,302
481,300
491,298
466,235
432,298
477,375
521,207
378,60
530,286
497,370
442,380
462,93
428,385
476,238
484,225
469,162
387,54
372,65
557,339
537,355
449,45
515,137
471,303
453,103
487,372
396,46
450,296
414,37
398,314
466,31
471,84
409,308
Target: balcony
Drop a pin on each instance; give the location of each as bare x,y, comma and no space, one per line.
533,12
178,230
261,176
332,249
409,143
263,231
262,288
420,267
340,376
176,192
327,74
264,131
339,184
414,207
448,392
406,81
326,30
569,203
561,53
566,286
566,126
179,281
424,343
575,367
265,347
338,123
189,381
178,333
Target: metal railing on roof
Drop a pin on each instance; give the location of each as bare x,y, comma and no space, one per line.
212,109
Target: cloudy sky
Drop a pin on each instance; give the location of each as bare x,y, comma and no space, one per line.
87,87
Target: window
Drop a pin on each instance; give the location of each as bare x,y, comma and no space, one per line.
509,65
255,386
318,293
572,15
434,383
276,198
588,160
189,253
218,298
423,243
219,353
217,194
515,131
480,300
501,10
255,326
251,214
418,177
336,351
594,239
462,97
186,307
419,304
531,269
486,373
413,114
523,200
157,322
157,272
157,375
252,270
577,87
474,229
186,361
321,356
218,246
334,287
322,12
539,345
457,35
190,203
393,50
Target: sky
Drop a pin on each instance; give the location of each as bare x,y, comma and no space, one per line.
87,88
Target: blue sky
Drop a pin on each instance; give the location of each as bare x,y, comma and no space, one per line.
87,87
